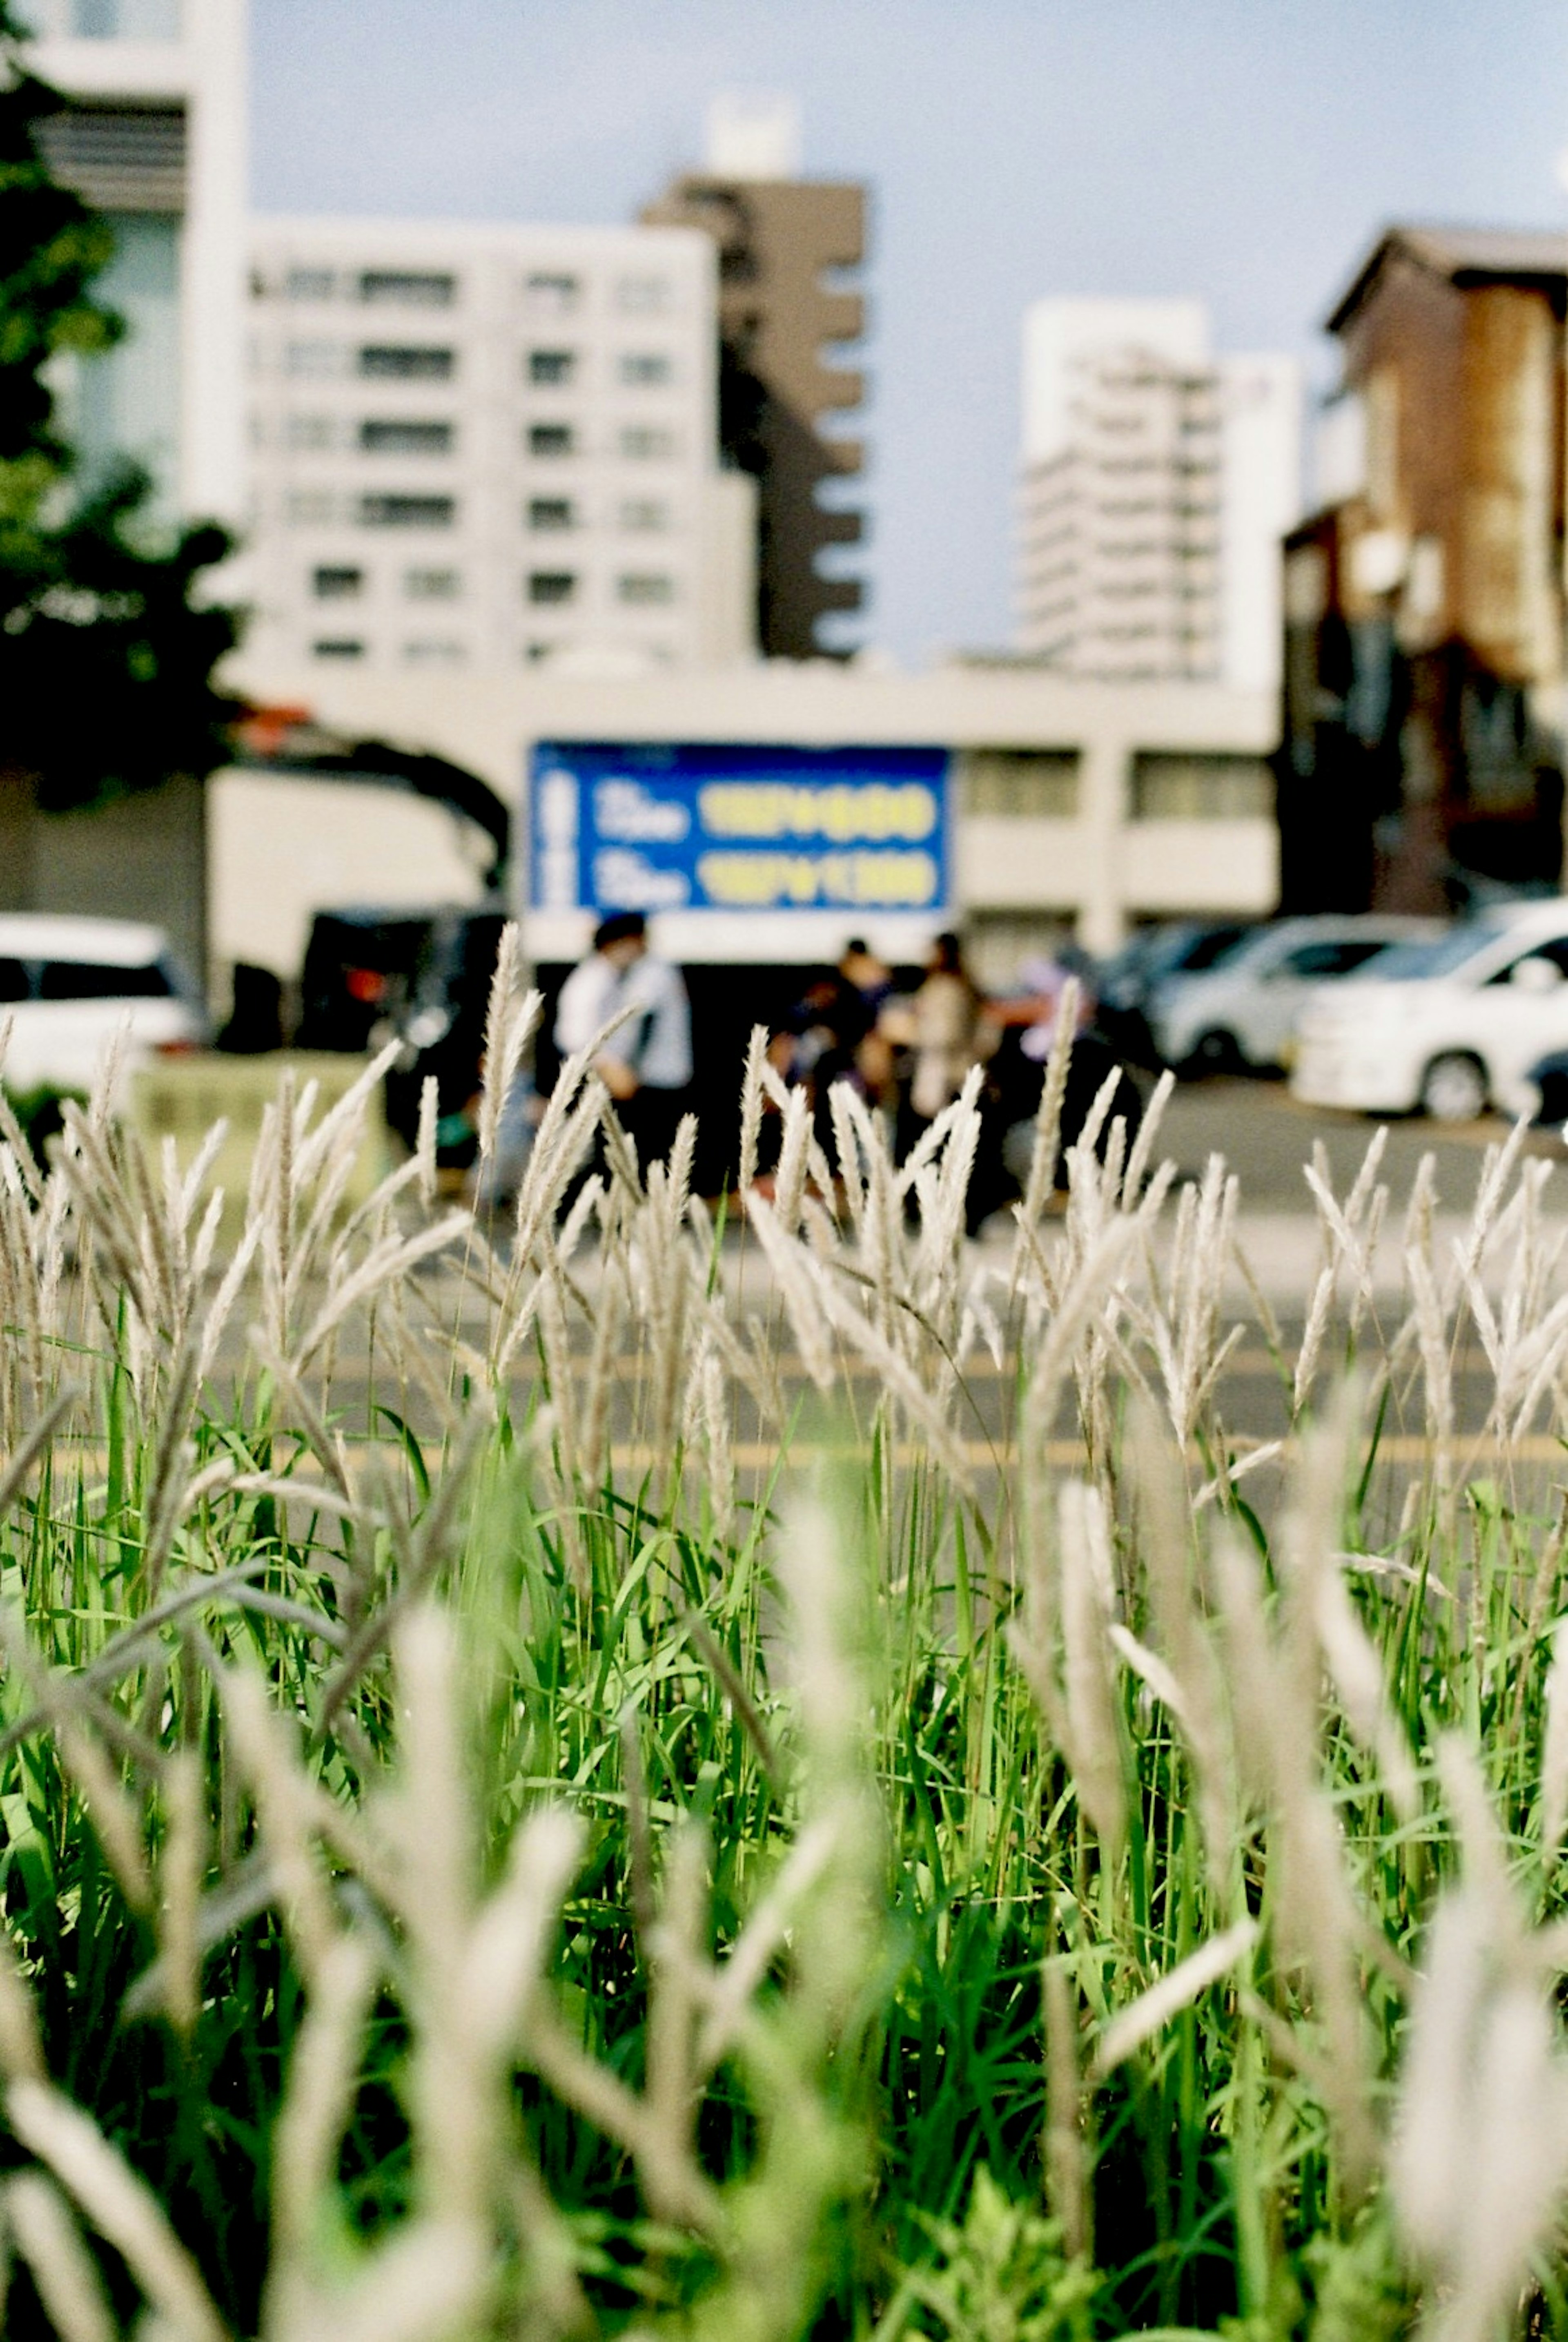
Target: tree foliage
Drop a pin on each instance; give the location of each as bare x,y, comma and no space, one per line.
105,655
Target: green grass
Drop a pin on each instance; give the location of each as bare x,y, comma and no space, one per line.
479,1889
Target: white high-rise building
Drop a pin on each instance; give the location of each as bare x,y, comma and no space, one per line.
1157,481
478,447
154,137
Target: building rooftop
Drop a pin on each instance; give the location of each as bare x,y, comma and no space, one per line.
1465,255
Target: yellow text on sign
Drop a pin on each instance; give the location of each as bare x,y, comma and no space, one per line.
782,810
889,880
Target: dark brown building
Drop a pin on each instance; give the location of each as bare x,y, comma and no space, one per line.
777,240
1422,762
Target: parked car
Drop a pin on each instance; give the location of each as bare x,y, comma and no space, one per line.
420,976
69,985
442,1027
358,973
1451,1026
1126,982
1243,1011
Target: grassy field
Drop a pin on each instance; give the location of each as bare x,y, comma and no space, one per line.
452,1889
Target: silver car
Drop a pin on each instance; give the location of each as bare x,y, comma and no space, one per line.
1243,1014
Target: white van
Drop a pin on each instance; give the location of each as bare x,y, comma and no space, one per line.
68,985
1451,1027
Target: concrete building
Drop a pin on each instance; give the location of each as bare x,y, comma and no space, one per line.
1073,807
1423,758
155,136
479,447
783,244
1156,482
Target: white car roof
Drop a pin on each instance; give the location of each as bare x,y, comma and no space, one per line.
1526,919
1329,927
113,943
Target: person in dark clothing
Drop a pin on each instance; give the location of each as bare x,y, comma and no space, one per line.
1010,1104
828,1028
255,1017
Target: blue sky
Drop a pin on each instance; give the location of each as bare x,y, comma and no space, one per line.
1242,151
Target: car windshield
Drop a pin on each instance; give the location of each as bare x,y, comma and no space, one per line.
1212,948
1439,956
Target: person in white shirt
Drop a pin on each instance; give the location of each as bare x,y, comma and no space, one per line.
646,1064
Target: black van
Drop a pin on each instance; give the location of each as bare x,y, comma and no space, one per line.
422,975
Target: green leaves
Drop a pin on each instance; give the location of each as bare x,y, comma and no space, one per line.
106,659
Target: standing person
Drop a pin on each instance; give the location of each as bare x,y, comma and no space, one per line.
945,1030
646,1064
870,979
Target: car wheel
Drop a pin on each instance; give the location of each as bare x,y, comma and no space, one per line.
1453,1088
1214,1052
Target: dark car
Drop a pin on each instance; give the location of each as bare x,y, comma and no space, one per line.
442,1028
1126,982
423,976
358,973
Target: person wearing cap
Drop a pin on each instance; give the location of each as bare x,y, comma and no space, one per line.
646,1063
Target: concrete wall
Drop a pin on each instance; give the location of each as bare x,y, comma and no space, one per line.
1101,870
283,849
199,66
141,858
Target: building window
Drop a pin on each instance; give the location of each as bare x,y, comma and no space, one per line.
391,364
312,361
337,584
406,438
408,289
1020,784
407,512
551,585
310,284
310,432
646,515
551,368
337,649
644,296
552,440
434,653
645,588
309,508
644,369
550,293
431,585
1202,787
644,444
551,512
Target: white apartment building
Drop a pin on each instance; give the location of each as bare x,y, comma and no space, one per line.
1157,481
486,447
155,137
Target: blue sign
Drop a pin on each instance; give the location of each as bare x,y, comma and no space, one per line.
694,828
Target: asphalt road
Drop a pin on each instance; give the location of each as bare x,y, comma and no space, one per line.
1265,1135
